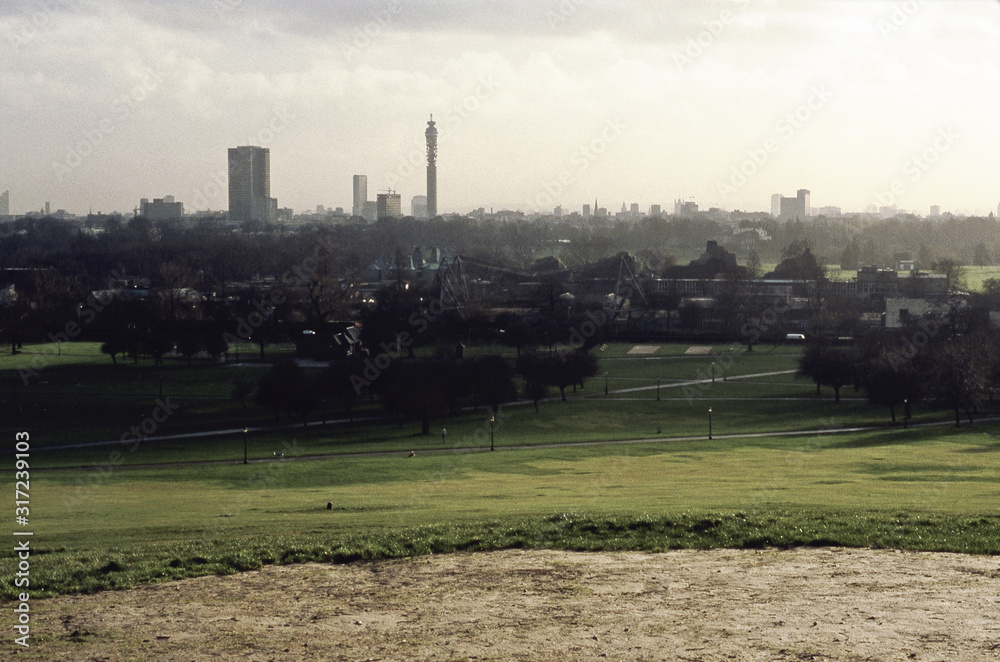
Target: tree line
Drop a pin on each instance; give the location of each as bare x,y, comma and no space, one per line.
936,358
424,389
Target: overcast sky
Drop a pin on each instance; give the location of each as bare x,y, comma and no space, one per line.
538,102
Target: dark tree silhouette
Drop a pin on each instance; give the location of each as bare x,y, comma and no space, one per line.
243,388
961,372
891,372
413,390
828,365
493,381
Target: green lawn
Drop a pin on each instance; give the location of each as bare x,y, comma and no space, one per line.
157,523
976,276
114,525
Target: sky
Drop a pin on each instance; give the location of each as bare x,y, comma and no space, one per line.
538,102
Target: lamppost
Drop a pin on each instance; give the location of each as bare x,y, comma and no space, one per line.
713,372
492,422
709,423
605,382
906,411
444,433
245,445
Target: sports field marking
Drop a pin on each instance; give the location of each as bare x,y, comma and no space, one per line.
644,349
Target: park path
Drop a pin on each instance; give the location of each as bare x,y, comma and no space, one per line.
567,444
366,419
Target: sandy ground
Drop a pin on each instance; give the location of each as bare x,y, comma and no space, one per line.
806,604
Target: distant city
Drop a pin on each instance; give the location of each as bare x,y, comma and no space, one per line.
250,201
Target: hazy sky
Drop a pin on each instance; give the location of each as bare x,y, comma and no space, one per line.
538,102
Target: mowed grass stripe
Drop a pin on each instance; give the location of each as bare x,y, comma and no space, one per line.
135,517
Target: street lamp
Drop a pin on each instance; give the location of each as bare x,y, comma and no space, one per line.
245,445
709,423
444,433
906,411
713,372
605,382
492,422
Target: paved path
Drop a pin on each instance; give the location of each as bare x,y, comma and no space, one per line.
367,419
568,444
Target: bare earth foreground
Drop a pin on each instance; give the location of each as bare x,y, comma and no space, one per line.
804,604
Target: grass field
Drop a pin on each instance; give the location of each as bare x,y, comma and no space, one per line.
114,525
974,276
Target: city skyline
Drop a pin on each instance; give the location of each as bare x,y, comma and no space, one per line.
539,105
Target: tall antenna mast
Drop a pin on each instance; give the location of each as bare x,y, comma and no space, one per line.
431,134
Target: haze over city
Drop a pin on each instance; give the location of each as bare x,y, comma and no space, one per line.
538,104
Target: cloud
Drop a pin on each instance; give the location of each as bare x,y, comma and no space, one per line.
358,79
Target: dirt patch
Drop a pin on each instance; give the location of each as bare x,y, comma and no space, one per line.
806,604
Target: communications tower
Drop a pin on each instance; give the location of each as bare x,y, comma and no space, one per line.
432,150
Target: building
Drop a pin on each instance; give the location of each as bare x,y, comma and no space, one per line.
418,206
586,211
935,210
681,207
360,195
788,208
431,134
250,185
161,209
389,205
4,205
655,210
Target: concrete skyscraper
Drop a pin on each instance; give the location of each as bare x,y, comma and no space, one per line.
360,194
5,204
388,205
791,208
432,151
250,185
